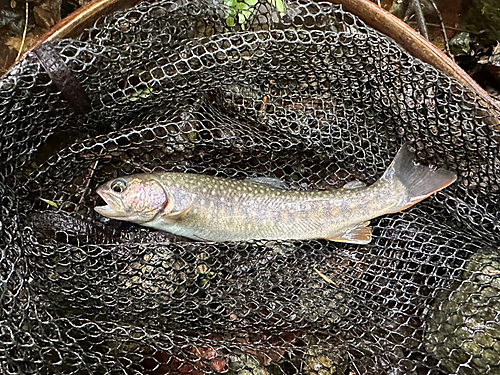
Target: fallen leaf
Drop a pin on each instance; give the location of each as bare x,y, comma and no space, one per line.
15,43
218,364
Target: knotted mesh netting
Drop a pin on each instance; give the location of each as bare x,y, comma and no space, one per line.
300,91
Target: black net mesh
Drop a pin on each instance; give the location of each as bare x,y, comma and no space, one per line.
304,92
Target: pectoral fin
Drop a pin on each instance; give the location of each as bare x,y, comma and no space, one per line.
361,234
174,217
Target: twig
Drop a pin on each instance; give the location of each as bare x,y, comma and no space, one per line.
351,357
419,14
326,278
141,167
443,30
92,171
24,34
450,28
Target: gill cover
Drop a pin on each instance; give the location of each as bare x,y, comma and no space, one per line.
132,199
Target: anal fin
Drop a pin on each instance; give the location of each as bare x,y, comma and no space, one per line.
361,234
196,237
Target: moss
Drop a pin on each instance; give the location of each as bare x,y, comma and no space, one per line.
463,324
484,17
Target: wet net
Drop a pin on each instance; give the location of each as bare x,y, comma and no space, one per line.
301,91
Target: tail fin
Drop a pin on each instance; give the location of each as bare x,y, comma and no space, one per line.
420,181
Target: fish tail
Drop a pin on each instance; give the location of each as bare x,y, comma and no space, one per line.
420,181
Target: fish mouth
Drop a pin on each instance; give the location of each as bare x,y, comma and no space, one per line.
113,209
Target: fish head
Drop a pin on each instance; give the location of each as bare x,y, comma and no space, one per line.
132,198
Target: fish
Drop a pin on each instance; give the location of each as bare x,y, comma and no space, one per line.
217,209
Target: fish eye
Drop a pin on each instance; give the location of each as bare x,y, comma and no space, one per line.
119,185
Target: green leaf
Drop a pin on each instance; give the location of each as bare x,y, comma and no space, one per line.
50,203
460,44
139,94
278,4
242,10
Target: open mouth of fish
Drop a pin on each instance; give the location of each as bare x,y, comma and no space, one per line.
113,207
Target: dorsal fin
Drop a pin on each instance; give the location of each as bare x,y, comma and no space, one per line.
272,182
356,184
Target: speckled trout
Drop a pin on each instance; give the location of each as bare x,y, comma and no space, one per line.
211,208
